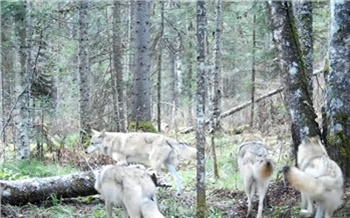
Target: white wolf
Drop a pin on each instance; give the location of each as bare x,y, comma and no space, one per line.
255,167
129,187
317,177
140,147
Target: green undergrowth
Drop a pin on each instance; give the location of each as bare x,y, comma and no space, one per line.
169,204
16,169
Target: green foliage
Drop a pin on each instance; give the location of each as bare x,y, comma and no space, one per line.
9,8
8,174
54,200
145,126
32,168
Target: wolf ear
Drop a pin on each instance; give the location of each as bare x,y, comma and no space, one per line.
306,140
102,134
95,132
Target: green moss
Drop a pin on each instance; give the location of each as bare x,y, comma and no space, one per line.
145,126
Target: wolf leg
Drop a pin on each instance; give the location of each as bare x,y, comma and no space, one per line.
303,204
109,208
120,158
249,190
319,211
308,211
262,192
177,178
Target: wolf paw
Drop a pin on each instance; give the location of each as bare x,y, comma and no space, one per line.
305,213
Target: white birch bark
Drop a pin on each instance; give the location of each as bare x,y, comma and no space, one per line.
200,135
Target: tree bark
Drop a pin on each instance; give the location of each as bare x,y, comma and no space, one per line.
337,111
159,75
200,135
142,89
252,94
22,121
118,69
304,19
7,75
84,70
296,80
36,190
215,86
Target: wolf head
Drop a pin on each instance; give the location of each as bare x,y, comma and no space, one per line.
96,143
311,146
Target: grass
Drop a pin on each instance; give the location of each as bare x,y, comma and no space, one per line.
170,205
13,170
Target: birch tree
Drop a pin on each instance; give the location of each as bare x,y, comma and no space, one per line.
7,73
252,94
23,82
159,75
298,91
216,88
141,110
337,111
118,69
200,135
84,70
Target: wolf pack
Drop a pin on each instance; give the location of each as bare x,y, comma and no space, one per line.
133,187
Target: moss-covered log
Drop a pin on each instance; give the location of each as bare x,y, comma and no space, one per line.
36,190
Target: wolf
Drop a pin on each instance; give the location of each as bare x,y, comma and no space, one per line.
129,187
317,177
255,167
141,147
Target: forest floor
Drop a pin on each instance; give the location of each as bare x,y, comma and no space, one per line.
225,197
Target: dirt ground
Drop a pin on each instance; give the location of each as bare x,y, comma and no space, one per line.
282,201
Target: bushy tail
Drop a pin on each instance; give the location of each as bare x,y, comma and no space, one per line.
303,182
266,169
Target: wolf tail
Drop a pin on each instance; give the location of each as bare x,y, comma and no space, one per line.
305,183
266,169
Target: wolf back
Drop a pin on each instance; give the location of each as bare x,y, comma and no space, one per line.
129,187
255,168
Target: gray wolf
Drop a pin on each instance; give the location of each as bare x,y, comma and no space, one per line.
317,177
255,167
141,147
129,187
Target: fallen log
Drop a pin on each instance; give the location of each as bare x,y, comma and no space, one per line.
36,190
236,109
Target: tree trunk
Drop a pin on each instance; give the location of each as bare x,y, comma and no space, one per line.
298,92
23,86
215,87
337,111
36,190
252,94
7,75
188,82
141,101
159,76
200,134
84,70
303,14
118,69
130,58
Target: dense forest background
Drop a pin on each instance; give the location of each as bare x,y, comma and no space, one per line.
69,66
54,72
